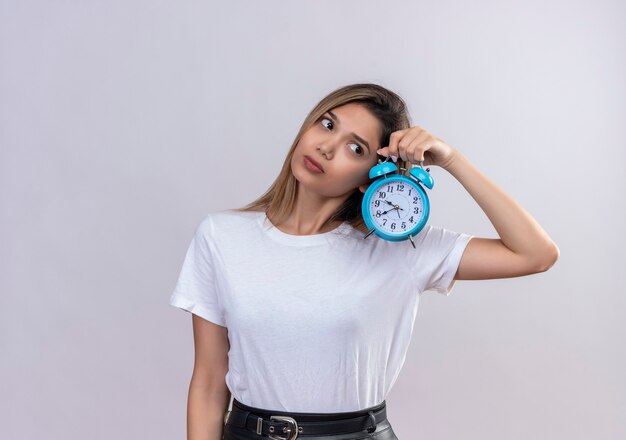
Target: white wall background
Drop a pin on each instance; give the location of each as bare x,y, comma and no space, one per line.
119,121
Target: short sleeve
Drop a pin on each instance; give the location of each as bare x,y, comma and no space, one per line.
196,290
439,254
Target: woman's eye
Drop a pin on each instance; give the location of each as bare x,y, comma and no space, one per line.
357,145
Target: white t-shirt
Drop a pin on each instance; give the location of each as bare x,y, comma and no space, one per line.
316,323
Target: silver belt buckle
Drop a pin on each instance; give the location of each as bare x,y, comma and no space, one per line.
291,430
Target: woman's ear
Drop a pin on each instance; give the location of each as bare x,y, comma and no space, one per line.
363,188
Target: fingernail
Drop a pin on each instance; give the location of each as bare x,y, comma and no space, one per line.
394,158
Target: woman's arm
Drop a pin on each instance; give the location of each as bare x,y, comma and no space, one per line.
205,413
209,397
523,247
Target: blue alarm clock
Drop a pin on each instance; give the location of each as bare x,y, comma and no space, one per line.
395,207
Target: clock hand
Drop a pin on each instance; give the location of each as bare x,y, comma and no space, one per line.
394,206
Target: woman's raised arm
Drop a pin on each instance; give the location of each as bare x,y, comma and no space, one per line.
523,247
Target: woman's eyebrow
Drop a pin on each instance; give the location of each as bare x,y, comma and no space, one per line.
359,138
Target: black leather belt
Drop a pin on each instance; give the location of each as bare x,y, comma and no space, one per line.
282,425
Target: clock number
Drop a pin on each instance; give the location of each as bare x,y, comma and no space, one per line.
382,195
416,210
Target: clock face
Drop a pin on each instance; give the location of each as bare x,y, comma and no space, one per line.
396,206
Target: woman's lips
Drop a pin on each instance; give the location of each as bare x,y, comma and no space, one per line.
312,165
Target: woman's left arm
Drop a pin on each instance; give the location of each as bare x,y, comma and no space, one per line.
523,248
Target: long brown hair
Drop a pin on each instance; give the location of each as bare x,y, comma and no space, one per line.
390,109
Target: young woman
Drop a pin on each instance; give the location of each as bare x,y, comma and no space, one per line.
297,316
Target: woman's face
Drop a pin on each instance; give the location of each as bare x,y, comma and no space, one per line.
338,141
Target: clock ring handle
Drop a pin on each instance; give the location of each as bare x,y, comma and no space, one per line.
387,158
420,164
